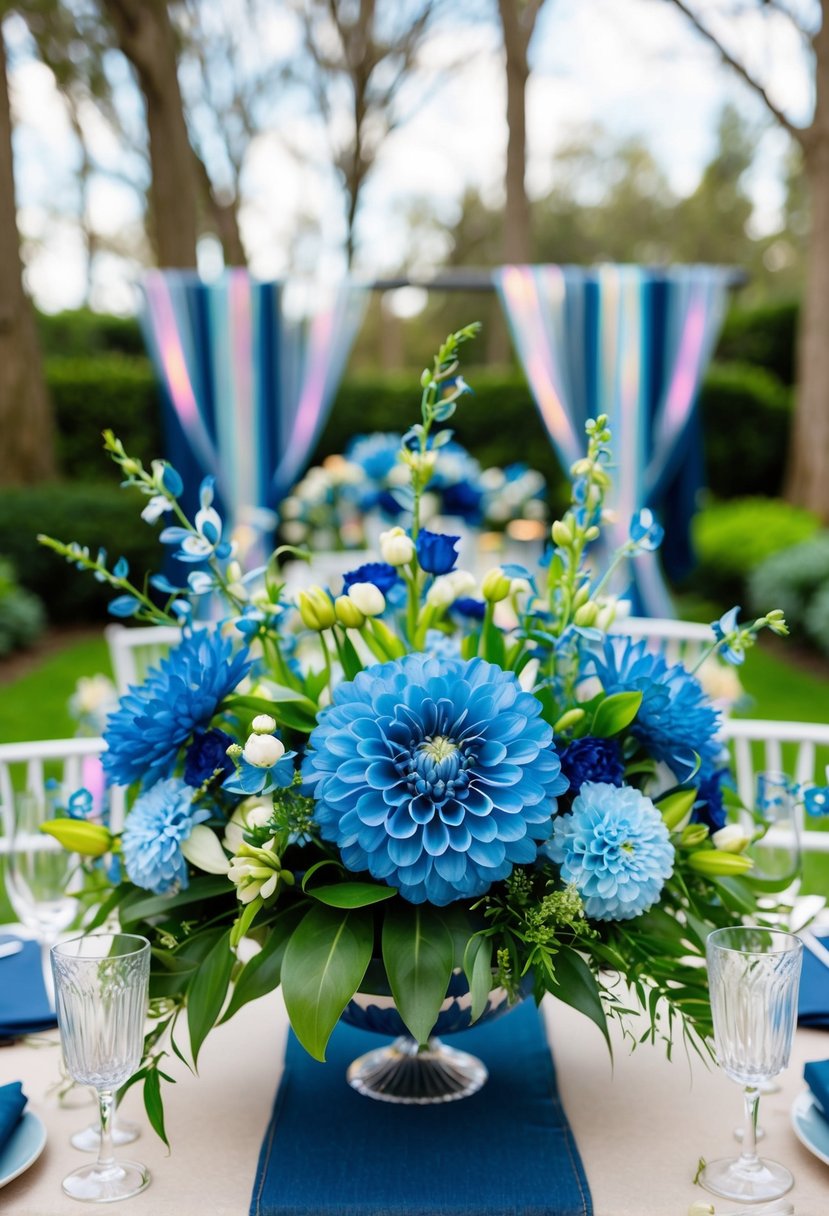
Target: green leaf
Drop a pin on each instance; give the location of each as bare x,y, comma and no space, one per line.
200,889
153,1104
207,991
477,966
352,894
107,907
614,713
325,961
576,985
261,974
494,647
419,954
351,661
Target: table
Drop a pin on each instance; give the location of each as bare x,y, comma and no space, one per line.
641,1126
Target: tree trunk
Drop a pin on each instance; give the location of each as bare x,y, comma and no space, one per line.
147,38
26,423
808,472
223,217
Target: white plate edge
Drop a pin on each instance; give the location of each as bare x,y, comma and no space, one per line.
802,1103
30,1115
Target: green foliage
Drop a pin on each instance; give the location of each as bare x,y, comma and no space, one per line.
798,578
80,331
85,513
93,392
418,954
207,991
746,417
733,538
765,336
22,616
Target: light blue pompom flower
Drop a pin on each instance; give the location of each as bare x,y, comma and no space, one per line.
154,719
437,775
156,827
616,849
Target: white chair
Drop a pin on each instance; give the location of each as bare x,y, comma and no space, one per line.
133,652
28,766
677,641
785,747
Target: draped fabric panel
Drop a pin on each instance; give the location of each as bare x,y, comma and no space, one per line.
246,385
632,343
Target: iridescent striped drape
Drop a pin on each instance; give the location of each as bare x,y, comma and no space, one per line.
631,343
246,386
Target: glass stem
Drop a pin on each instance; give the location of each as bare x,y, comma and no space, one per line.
106,1104
748,1157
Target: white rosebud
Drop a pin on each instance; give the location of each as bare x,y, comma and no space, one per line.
463,583
252,813
368,598
263,751
202,850
396,547
263,724
733,838
450,587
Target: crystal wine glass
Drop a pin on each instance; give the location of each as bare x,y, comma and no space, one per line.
101,984
777,854
753,977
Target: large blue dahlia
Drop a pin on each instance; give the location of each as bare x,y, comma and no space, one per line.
437,775
616,849
154,719
675,720
156,827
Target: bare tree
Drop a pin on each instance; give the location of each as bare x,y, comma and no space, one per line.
147,38
808,473
26,424
353,45
518,21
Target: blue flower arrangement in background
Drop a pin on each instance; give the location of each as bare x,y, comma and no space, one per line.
415,760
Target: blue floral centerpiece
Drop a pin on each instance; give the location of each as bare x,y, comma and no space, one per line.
412,800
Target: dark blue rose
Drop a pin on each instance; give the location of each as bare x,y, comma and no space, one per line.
436,553
464,500
466,606
709,807
381,574
592,759
206,754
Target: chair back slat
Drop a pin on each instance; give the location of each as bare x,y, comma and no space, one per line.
133,652
28,766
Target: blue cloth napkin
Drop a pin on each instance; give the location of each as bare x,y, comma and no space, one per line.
813,1001
816,1076
24,1006
12,1102
506,1151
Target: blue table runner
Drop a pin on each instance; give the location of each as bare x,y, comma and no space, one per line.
506,1151
24,1005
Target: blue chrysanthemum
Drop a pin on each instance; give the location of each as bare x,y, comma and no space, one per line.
153,720
156,827
206,756
435,775
592,759
616,849
675,719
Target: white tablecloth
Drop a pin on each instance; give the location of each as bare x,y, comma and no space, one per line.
641,1125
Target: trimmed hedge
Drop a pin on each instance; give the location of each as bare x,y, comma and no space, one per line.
765,336
81,331
746,417
93,515
732,539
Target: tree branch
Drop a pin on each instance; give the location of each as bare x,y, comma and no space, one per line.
798,133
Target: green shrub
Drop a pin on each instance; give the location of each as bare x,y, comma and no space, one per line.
93,515
83,332
746,416
733,538
797,580
21,614
765,336
94,392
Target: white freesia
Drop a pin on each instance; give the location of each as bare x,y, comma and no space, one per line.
263,724
450,587
733,838
720,682
202,849
396,547
252,813
368,598
255,871
263,751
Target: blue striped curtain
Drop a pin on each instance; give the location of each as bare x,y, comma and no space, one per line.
631,343
246,387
